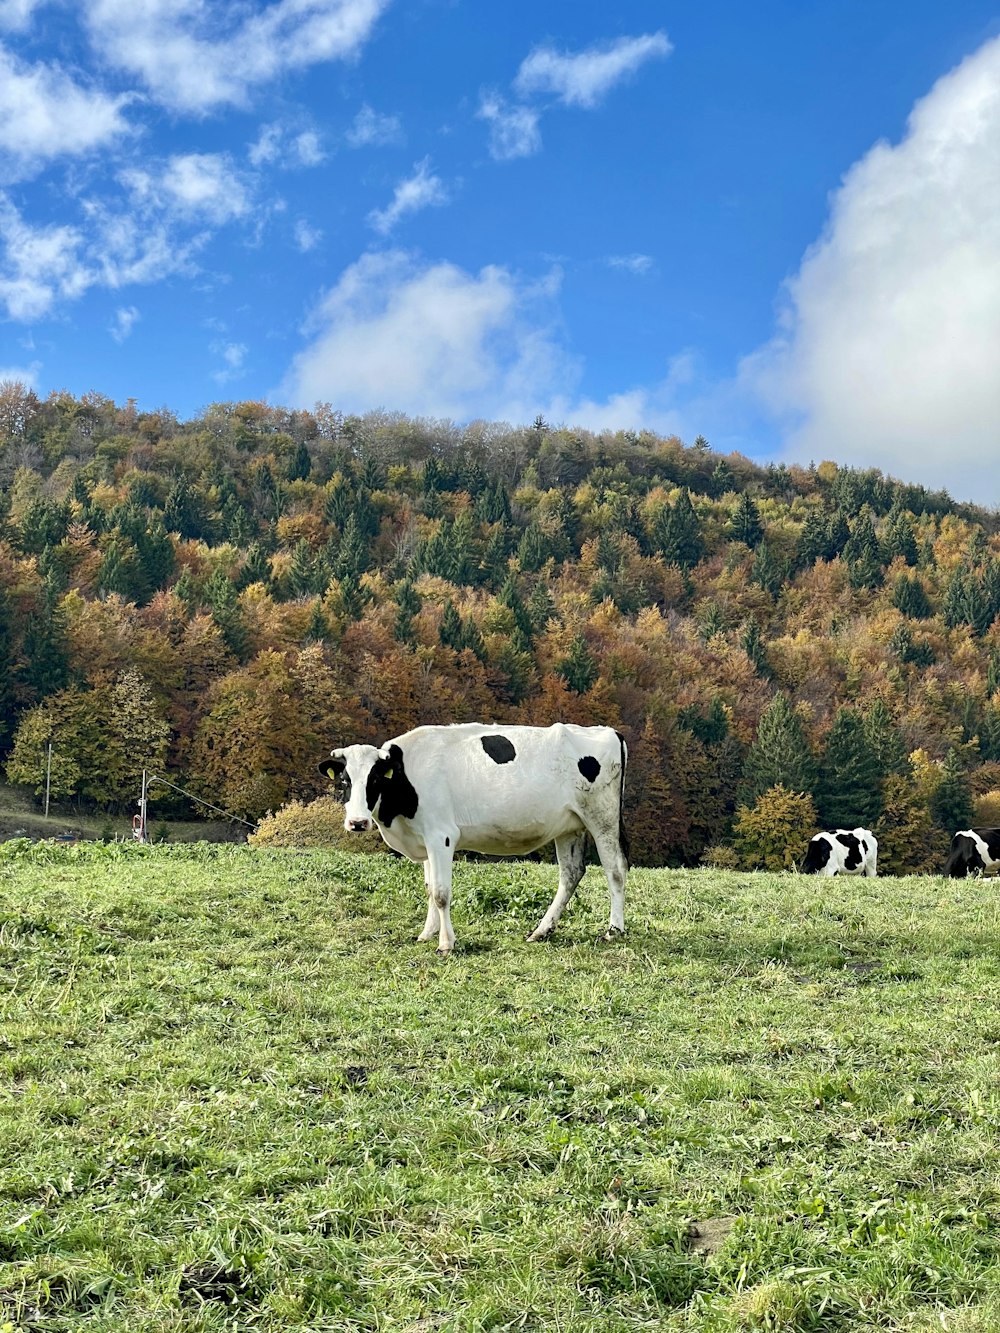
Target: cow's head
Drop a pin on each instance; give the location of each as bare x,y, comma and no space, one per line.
817,854
371,783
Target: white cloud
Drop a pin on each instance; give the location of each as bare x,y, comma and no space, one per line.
38,265
370,129
44,114
192,186
277,145
432,340
513,129
16,14
307,237
125,320
583,79
234,356
889,342
637,264
308,149
26,375
192,60
421,190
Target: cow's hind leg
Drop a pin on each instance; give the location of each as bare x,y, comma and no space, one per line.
571,854
431,923
615,867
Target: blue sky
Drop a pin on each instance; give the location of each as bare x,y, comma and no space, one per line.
777,225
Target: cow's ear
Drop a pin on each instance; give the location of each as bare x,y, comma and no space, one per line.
333,767
392,757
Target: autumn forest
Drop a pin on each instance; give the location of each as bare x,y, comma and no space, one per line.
222,600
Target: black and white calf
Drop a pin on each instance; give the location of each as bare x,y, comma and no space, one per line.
841,852
495,789
973,851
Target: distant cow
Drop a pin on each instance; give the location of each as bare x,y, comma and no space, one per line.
495,789
842,852
973,852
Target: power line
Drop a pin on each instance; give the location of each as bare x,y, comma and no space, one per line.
207,804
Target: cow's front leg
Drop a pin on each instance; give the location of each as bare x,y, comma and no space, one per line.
440,855
431,923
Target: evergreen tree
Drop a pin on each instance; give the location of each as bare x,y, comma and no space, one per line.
352,553
780,754
814,540
909,649
493,504
121,572
462,550
578,668
951,805
220,593
451,632
766,571
885,740
302,574
44,649
510,597
910,598
745,525
900,539
533,548
256,567
300,463
541,608
407,605
319,626
862,553
752,643
711,728
339,504
848,790
676,533
8,693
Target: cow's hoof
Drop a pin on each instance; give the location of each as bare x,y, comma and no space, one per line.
610,935
425,939
537,936
443,953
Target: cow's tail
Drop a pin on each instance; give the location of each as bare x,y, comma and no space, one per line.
622,835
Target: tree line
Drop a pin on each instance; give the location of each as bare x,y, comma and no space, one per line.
223,599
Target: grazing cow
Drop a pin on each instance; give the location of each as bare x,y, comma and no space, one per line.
973,852
496,789
841,852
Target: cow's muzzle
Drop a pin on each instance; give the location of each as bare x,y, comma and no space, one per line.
357,825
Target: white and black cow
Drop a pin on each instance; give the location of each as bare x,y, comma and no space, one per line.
496,789
842,852
974,851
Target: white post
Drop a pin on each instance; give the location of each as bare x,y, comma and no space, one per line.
48,778
142,809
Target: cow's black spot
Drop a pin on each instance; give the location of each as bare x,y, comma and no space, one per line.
854,857
390,789
817,854
589,767
499,749
447,842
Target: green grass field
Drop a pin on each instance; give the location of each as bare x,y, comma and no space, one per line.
235,1094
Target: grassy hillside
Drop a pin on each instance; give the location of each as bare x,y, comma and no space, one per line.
235,1094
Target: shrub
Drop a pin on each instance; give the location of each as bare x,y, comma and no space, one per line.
720,857
318,824
987,809
775,833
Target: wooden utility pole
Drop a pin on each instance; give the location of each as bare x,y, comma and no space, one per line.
48,778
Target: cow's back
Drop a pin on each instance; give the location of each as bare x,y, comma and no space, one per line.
511,789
